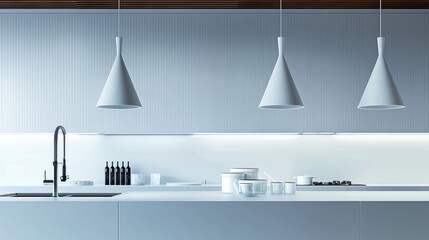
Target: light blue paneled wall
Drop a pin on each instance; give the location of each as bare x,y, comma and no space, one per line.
206,71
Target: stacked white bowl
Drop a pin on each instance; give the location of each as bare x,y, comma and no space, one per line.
244,181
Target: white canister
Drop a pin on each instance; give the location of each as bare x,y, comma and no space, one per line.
230,182
249,173
290,187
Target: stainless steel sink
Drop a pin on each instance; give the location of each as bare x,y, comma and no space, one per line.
93,194
60,195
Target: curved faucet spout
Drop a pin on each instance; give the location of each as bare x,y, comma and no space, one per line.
64,175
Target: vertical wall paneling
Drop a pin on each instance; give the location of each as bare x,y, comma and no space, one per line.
205,71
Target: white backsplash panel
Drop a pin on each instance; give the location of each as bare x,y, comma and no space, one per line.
361,158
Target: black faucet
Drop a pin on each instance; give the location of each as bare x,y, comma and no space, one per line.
64,177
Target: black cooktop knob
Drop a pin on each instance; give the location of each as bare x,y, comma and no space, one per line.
346,182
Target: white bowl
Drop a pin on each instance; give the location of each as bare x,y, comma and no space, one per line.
259,186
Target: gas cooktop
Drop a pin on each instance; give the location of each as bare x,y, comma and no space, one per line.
335,183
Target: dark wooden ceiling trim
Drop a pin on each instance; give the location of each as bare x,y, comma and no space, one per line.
33,4
214,4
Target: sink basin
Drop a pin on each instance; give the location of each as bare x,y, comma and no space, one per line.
60,195
93,194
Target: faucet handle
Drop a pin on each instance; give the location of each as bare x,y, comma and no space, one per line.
46,181
63,179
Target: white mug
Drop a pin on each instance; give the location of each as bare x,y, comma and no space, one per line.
290,187
155,179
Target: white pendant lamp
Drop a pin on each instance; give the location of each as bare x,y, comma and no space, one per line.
281,92
381,92
119,92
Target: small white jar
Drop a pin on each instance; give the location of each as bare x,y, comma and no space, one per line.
277,187
290,187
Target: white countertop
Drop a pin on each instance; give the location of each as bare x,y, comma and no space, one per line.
204,187
109,189
213,196
368,187
359,196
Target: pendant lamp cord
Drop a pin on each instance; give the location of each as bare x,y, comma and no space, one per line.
281,20
380,18
119,14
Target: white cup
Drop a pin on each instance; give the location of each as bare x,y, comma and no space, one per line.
290,187
138,179
155,179
277,187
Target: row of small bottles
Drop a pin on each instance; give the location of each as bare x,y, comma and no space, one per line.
118,175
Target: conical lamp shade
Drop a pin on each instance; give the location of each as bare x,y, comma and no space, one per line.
119,92
281,91
381,92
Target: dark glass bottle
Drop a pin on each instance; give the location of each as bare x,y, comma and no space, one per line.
123,174
128,174
118,174
112,175
106,174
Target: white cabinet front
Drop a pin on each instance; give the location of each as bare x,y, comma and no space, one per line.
239,220
33,220
395,220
